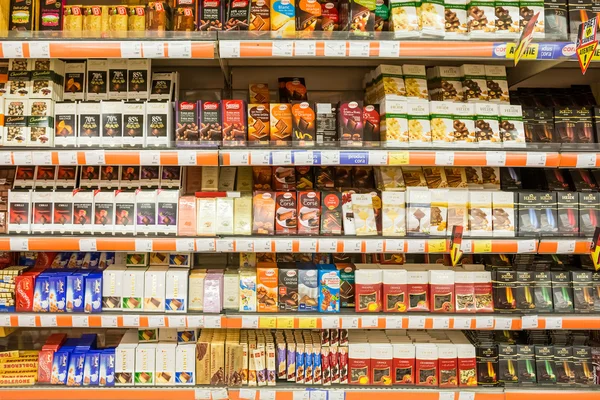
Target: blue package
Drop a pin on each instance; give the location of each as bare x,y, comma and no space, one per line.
93,293
299,363
28,258
75,289
87,341
308,364
41,293
91,368
91,260
76,363
329,288
58,292
60,365
107,367
317,366
107,258
61,260
308,287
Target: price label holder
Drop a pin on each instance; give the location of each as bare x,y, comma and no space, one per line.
378,157
229,49
220,394
281,157
23,157
39,49
41,157
328,245
156,321
260,157
153,49
180,49
26,321
143,245
337,395
176,321
445,158
393,322
263,245
303,157
212,321
80,321
373,246
186,157
5,320
244,246
131,321
109,321
67,158
247,394
503,323
267,322
536,159
335,48
195,321
369,321
495,158
95,157
441,323
300,395
239,158
185,245
553,322
394,246
529,322
359,48
416,246
586,160
308,245
388,49
349,322
305,48
131,49
19,244
330,157
446,395
149,157
565,247
282,48
205,245
284,245
285,322
12,50
330,322
416,322
352,246
462,323
48,321
484,322
250,322
307,323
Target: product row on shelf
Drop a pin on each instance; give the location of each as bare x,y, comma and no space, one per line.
460,19
326,357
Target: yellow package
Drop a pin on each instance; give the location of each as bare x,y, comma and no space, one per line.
117,19
95,20
73,19
283,16
137,18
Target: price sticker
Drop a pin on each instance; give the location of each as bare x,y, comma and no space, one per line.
195,321
337,395
389,49
176,321
495,158
202,394
247,394
212,321
467,246
318,395
239,158
444,158
399,158
335,48
186,157
39,49
462,323
526,246
374,246
359,48
244,246
250,322
282,48
330,157
330,323
305,48
565,247
229,49
267,322
378,157
108,321
416,246
225,245
19,244
307,323
554,322
328,245
263,245
182,49
369,321
12,50
282,157
350,322
441,323
503,323
300,395
131,49
131,320
529,322
95,157
416,322
259,157
484,322
436,246
156,321
143,245
394,246
149,157
284,245
393,322
352,246
153,49
48,320
303,157
42,158
586,160
308,245
535,159
285,322
205,245
23,158
220,394
80,321
184,245
5,320
67,158
446,396
466,396
26,321
6,158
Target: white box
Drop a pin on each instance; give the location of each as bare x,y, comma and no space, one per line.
125,355
42,210
231,290
207,215
133,289
104,212
145,364
503,214
112,123
89,125
154,288
146,211
112,289
117,79
125,212
19,211
138,72
419,127
65,119
480,213
168,205
159,121
134,125
97,80
393,213
165,363
225,216
163,85
176,290
185,364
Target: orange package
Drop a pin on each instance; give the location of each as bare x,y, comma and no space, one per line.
267,280
264,213
281,123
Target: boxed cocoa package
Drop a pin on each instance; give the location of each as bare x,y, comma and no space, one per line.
326,124
187,132
97,80
139,77
303,123
285,213
351,123
309,212
280,123
259,128
234,122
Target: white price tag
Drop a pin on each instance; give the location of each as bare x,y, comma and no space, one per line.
328,245
352,246
42,158
12,50
389,49
444,158
26,321
330,157
416,322
586,160
535,159
48,320
244,246
305,48
181,49
441,323
335,48
298,395
239,158
565,247
143,245
282,48
394,245
336,395
260,157
153,49
229,49
303,157
330,322
393,322
284,245
88,245
378,157
416,246
369,321
462,322
212,321
131,49
263,245
526,246
39,49
205,245
247,394
202,394
23,158
553,322
19,244
503,323
156,321
249,322
466,396
224,245
149,157
318,395
281,157
67,158
5,320
131,320
80,321
6,158
484,322
529,321
495,158
446,396
220,394
176,321
184,245
95,157
359,48
108,321
373,246
350,322
195,321
467,246
186,157
308,245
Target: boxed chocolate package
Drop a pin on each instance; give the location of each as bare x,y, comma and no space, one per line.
65,120
260,17
524,297
159,127
548,214
134,126
138,72
526,364
90,123
97,80
562,291
505,284
186,122
259,129
238,16
529,8
357,16
326,124
234,122
555,14
264,213
510,178
303,123
529,213
117,79
583,299
589,212
292,89
508,368
308,15
211,15
111,131
487,365
351,123
210,124
568,214
331,208
544,365
309,212
285,213
280,123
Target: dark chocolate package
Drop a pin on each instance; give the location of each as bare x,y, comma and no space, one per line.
589,212
326,124
292,89
526,364
211,129
331,213
583,294
238,15
548,214
357,15
568,213
529,213
211,15
350,123
371,120
303,123
524,295
562,292
504,286
508,368
542,291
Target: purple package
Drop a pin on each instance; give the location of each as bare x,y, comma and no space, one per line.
308,364
186,124
299,362
281,361
213,293
170,177
209,121
168,203
317,370
291,362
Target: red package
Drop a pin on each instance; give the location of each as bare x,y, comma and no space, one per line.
404,363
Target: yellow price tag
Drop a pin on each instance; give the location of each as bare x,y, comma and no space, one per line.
482,246
398,158
530,54
596,54
308,323
285,322
436,246
267,322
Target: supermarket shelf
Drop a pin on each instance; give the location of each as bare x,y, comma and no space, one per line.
347,319
110,157
565,246
251,244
